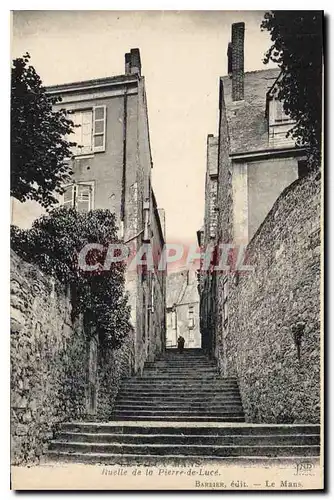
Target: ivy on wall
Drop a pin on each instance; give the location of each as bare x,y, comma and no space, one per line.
54,243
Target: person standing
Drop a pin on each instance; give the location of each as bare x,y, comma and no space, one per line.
180,344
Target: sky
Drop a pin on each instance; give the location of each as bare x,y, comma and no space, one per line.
183,55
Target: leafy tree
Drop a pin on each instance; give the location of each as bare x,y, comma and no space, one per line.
39,150
54,242
297,38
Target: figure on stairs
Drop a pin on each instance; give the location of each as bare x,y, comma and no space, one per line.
180,344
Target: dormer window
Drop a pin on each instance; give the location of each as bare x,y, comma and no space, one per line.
279,122
277,113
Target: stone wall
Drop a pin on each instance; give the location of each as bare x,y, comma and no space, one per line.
113,365
279,381
50,360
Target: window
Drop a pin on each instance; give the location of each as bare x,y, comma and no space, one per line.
79,196
277,113
99,130
90,130
82,132
174,322
152,293
191,320
279,124
225,297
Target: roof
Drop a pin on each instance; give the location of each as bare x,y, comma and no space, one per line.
92,84
157,216
247,123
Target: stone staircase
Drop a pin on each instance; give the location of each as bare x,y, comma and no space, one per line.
181,411
178,388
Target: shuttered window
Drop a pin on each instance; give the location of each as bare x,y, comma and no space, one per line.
99,128
79,196
68,196
191,320
82,132
277,113
89,132
83,197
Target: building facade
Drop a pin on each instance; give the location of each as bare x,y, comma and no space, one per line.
262,323
249,164
112,170
183,309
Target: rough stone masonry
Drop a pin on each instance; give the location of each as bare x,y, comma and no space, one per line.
50,363
273,340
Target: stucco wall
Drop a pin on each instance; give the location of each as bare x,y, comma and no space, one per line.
50,363
105,169
266,180
265,305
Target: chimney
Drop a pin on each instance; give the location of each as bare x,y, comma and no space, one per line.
127,63
132,62
236,61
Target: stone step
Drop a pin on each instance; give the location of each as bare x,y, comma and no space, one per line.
172,460
212,385
174,390
141,394
181,418
179,412
178,358
188,428
203,439
134,417
179,408
202,450
181,364
178,380
193,351
183,377
181,371
177,402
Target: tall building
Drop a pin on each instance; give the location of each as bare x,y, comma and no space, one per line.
256,158
249,164
112,170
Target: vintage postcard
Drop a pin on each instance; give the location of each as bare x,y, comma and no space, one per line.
167,250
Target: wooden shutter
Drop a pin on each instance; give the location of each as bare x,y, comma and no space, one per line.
99,128
84,197
86,132
68,196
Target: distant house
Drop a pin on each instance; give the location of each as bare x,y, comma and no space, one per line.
183,309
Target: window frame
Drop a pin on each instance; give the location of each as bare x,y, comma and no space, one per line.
91,185
225,301
77,151
274,102
191,317
99,149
